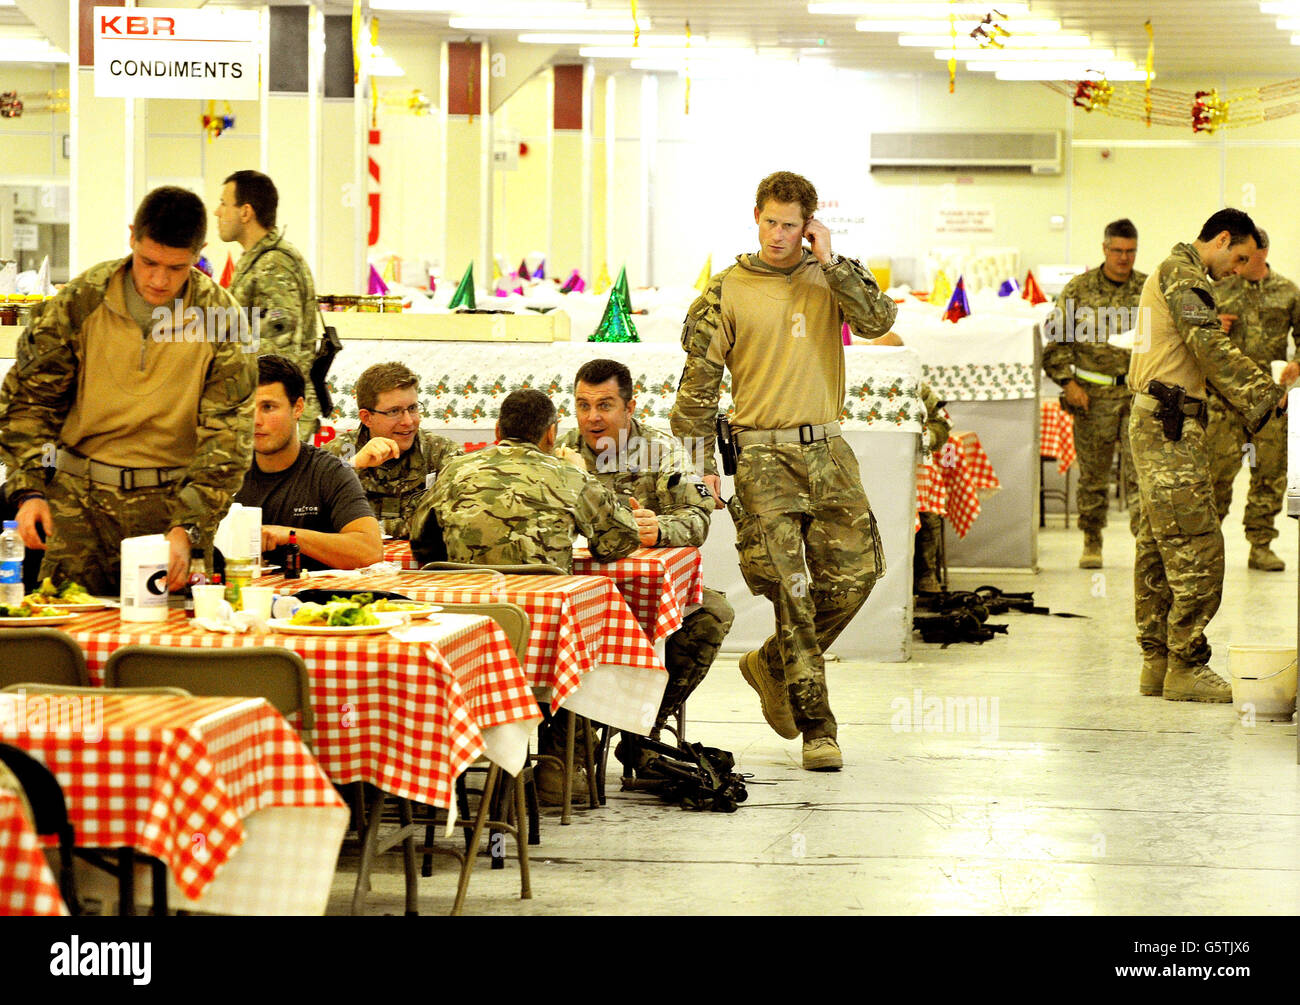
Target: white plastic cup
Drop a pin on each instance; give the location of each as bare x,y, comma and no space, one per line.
1278,365
257,601
208,600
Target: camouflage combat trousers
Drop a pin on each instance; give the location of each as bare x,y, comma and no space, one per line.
1178,569
925,560
808,542
1096,432
689,651
1266,456
90,521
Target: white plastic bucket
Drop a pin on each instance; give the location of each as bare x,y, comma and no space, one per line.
1263,681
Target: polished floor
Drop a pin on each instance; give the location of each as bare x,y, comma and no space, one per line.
1023,776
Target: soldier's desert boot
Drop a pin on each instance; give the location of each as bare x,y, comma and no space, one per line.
775,699
822,754
1091,558
1196,684
1262,557
1153,678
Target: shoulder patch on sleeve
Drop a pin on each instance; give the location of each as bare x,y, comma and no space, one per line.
1193,308
703,490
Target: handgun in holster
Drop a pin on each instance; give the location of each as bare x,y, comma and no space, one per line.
1174,408
726,445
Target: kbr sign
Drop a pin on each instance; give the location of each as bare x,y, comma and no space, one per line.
156,53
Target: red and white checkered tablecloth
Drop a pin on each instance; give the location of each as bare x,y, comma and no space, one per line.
659,584
1056,435
953,480
170,776
578,625
391,713
27,887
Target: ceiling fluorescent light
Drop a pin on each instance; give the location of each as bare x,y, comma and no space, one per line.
942,26
652,52
1288,23
522,23
1015,41
1283,7
30,50
974,10
1029,55
593,38
484,8
1068,72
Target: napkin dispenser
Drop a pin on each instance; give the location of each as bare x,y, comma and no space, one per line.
144,578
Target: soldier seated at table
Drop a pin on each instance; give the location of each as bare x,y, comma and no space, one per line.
670,503
396,461
301,488
523,502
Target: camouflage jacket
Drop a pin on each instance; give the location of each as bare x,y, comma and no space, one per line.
861,303
273,278
42,384
1088,312
938,424
654,469
1267,312
1193,313
396,487
511,504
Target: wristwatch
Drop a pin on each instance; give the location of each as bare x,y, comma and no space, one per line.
193,532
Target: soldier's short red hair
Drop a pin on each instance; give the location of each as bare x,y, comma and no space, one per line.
786,186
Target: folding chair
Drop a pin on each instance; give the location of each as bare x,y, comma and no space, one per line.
41,656
49,813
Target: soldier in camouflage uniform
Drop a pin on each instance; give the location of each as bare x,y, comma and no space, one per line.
938,427
271,279
1178,572
1078,355
1258,308
671,506
805,534
518,503
395,460
135,384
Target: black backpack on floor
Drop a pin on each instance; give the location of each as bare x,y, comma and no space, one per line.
698,777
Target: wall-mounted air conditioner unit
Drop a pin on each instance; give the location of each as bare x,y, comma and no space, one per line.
1037,151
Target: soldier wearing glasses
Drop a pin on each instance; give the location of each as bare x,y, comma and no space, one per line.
1094,307
395,461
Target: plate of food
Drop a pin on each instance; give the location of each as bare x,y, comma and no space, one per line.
70,596
33,616
413,608
338,617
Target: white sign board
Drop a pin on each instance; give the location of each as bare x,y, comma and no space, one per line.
26,237
963,221
151,52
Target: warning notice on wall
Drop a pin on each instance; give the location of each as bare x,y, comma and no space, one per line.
963,221
151,52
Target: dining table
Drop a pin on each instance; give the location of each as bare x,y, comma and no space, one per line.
27,886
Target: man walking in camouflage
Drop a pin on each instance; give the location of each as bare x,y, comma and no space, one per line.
671,506
396,461
1178,572
805,534
150,429
522,502
1092,308
1258,308
272,280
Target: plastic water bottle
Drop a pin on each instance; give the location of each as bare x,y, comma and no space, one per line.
11,565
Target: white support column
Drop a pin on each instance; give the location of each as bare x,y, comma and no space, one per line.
646,193
486,172
588,110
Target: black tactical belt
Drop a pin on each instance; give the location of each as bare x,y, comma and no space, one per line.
113,475
1193,408
795,434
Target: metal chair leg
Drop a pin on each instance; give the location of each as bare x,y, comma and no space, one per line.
566,784
480,822
126,882
368,845
521,842
408,856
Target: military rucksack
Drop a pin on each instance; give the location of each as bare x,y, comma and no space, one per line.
698,777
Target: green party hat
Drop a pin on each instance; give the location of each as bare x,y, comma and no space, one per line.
464,295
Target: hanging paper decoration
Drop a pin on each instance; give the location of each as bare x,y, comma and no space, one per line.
377,285
603,282
1208,112
522,272
574,284
213,124
1090,94
1032,291
988,32
1009,287
959,305
464,295
1203,110
952,57
688,67
228,273
616,323
942,289
706,273
356,41
636,27
12,105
